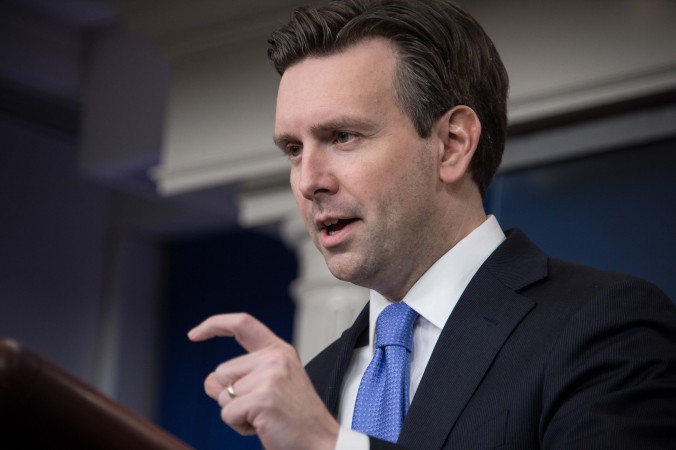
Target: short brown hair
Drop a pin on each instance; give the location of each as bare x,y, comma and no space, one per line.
445,59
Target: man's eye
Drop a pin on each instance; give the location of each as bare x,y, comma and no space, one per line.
293,151
343,137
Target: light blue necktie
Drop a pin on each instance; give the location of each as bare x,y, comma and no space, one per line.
382,399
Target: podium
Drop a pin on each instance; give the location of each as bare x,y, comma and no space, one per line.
43,406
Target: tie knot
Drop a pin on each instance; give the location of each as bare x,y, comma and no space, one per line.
395,326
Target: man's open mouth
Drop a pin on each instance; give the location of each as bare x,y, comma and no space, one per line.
335,225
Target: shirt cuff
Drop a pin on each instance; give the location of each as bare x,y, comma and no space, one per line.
351,440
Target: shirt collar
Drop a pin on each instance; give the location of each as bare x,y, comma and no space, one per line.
450,274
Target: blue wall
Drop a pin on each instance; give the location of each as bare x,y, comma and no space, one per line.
230,272
614,210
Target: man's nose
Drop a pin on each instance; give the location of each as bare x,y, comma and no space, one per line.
316,177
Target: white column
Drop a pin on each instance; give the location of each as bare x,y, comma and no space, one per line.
325,306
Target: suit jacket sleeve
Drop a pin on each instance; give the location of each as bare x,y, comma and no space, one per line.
610,382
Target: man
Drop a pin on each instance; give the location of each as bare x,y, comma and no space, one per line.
392,115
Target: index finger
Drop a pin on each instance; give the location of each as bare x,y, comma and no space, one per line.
248,331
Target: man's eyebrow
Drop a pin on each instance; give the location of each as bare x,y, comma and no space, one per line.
347,123
281,140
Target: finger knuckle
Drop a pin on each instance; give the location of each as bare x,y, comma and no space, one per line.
243,320
236,421
221,372
282,356
222,398
211,386
227,416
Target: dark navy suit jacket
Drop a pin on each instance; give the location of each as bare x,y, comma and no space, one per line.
538,354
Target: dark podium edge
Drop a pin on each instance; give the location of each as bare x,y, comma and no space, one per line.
43,406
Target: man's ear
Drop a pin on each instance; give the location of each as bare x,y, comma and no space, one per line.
459,130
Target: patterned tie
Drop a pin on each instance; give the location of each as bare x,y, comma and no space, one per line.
382,399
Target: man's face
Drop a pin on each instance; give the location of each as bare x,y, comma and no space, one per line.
366,184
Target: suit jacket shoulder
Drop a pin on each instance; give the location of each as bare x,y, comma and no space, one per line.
539,353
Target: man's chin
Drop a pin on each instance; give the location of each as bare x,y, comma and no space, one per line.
345,268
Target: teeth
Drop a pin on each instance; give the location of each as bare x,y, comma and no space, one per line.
331,232
328,223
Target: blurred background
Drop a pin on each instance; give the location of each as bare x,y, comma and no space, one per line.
142,191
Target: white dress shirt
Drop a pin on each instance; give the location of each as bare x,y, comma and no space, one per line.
433,297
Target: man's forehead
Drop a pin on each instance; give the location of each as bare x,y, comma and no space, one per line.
363,73
353,90
372,56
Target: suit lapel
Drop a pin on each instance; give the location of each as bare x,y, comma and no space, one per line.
486,314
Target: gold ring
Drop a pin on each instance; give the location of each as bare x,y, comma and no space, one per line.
230,391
